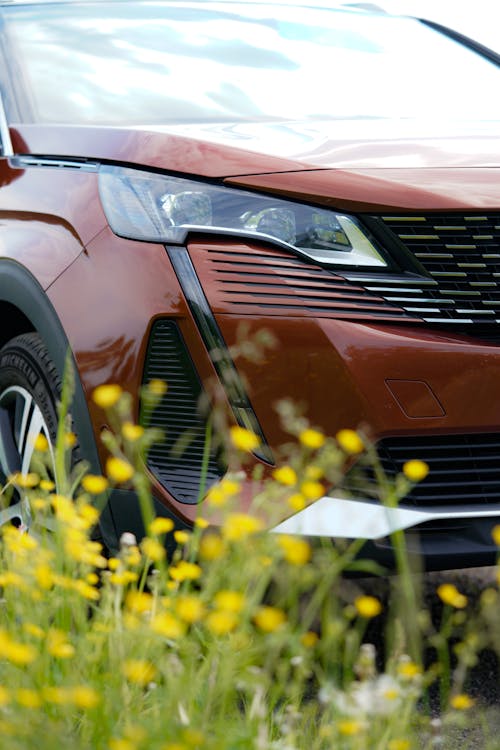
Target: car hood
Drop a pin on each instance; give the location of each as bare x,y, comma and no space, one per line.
362,164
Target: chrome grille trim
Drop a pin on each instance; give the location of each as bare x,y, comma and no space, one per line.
461,255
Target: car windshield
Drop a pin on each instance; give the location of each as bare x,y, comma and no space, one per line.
121,63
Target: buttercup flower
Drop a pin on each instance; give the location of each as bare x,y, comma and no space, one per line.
240,525
106,396
285,475
449,594
230,601
139,671
161,525
221,622
312,439
243,439
185,571
212,546
415,470
461,702
132,432
296,551
350,442
118,470
368,606
189,608
41,443
168,626
153,549
269,619
496,534
94,484
157,387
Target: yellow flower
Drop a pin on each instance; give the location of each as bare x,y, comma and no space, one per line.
309,639
15,652
297,502
70,440
367,606
58,644
94,484
216,496
139,601
139,671
25,481
59,695
230,601
243,439
461,702
312,490
449,594
4,696
349,727
182,537
212,546
28,698
168,626
106,396
121,743
35,630
350,442
185,571
229,486
269,619
157,387
41,443
415,470
47,485
201,523
153,549
119,470
285,475
409,670
240,525
399,744
132,432
221,621
296,551
496,534
161,525
83,696
312,439
189,608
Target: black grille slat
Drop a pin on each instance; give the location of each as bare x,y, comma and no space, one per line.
462,254
464,469
177,416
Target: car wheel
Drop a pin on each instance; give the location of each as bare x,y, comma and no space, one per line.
29,389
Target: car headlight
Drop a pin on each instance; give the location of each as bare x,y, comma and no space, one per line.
159,208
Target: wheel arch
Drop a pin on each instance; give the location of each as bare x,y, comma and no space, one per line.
24,307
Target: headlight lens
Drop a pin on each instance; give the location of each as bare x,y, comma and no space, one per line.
157,208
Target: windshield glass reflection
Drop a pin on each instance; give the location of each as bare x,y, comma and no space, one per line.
158,63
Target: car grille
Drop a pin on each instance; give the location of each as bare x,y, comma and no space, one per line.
461,254
264,280
178,470
463,469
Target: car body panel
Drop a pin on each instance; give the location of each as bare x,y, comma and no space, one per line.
42,224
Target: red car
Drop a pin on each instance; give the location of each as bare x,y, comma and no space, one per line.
172,169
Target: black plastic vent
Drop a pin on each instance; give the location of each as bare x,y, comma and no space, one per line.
177,416
464,469
461,253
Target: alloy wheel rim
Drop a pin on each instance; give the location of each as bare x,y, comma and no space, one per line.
21,422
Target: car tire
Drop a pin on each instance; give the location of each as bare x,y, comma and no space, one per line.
29,389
